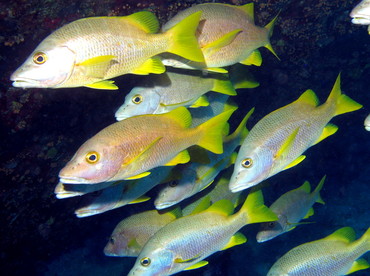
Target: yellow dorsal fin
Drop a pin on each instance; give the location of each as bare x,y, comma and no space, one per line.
107,84
140,199
153,65
309,97
181,115
236,239
298,160
328,130
144,20
306,187
310,212
357,265
140,175
216,70
287,144
345,234
223,86
223,207
201,101
97,67
216,45
202,205
197,265
181,158
254,58
248,9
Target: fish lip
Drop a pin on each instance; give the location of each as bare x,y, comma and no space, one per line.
21,81
73,180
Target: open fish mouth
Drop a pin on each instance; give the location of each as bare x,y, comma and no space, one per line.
74,180
365,20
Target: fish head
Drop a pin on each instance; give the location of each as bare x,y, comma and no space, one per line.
153,262
121,245
361,13
48,66
271,229
95,161
139,101
252,165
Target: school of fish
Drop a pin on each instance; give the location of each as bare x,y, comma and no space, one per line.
173,133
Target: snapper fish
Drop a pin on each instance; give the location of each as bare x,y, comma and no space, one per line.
367,123
131,234
334,255
277,141
226,34
128,149
90,51
290,208
171,90
361,14
184,243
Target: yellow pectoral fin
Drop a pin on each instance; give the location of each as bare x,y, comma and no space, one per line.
140,199
236,239
328,130
97,67
152,65
295,162
216,45
181,158
357,265
254,58
140,175
107,84
197,265
287,144
141,158
201,101
144,20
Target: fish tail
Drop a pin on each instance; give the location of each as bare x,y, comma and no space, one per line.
183,41
270,29
318,189
255,210
211,132
343,103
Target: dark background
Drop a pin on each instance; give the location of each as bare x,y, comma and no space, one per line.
42,128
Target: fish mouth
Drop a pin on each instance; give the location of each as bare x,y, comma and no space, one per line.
362,20
24,82
73,180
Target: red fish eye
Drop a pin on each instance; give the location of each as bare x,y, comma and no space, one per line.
39,58
92,157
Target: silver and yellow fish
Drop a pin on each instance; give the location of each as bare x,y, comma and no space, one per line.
89,51
367,123
278,140
334,255
361,14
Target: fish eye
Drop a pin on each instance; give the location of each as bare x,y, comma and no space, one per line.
247,163
271,224
111,240
145,261
137,99
92,157
173,184
40,58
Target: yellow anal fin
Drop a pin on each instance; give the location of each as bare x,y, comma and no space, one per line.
152,65
254,58
197,265
328,130
97,67
216,45
201,101
295,162
144,20
140,175
140,199
310,212
107,85
181,158
236,239
179,260
357,265
216,70
286,145
224,86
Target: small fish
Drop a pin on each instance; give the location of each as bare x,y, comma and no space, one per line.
277,141
226,34
131,234
128,149
89,51
122,193
336,254
197,176
361,14
185,242
63,190
367,123
290,208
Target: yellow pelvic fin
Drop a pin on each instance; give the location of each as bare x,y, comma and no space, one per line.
180,115
97,67
216,70
306,187
270,28
152,65
140,175
140,199
298,160
181,158
286,145
223,86
144,20
134,244
213,47
236,239
183,41
202,205
254,58
223,207
107,84
318,189
345,234
211,132
357,265
197,265
255,210
308,97
328,130
248,9
201,101
310,212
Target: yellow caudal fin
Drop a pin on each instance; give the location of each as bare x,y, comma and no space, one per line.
183,41
254,209
241,131
211,132
317,190
270,28
343,103
223,86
